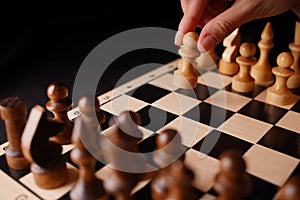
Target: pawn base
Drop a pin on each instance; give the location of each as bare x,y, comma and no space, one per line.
242,87
228,68
280,99
185,82
87,191
294,82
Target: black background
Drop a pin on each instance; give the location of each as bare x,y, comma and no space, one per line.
47,41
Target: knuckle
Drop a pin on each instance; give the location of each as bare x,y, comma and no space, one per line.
224,28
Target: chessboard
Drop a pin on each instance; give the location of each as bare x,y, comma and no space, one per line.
211,118
243,122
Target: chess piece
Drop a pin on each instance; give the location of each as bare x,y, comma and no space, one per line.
59,104
227,64
262,70
120,151
13,112
169,150
294,81
232,182
86,128
243,82
125,133
186,76
206,60
99,114
48,166
278,93
290,190
180,187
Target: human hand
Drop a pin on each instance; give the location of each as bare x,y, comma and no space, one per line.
217,21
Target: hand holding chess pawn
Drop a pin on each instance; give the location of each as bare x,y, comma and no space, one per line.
186,75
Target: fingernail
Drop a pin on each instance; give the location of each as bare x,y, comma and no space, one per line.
178,38
207,43
200,48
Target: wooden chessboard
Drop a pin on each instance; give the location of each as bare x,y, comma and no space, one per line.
267,135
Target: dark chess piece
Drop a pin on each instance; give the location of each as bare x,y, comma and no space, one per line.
59,104
120,150
88,187
48,166
290,190
232,182
13,112
181,185
169,150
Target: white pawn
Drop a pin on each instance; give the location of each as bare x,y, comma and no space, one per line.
186,76
279,94
243,82
294,81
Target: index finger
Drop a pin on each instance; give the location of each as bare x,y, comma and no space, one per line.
184,4
193,12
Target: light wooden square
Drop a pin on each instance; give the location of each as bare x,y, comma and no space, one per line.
67,148
107,131
2,147
146,133
245,128
228,100
208,197
52,194
204,167
214,79
262,97
190,131
123,103
269,165
165,82
105,173
290,121
10,189
176,103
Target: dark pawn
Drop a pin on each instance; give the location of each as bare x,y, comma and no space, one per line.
290,190
120,150
88,187
13,112
169,150
59,104
232,182
181,184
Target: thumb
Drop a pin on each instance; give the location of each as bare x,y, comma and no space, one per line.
222,25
